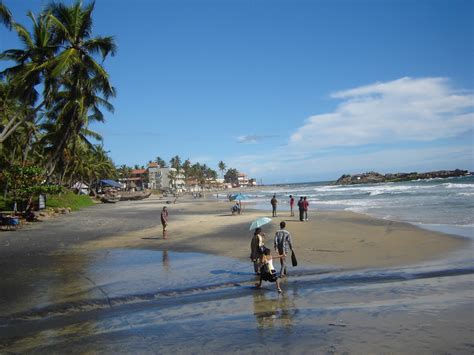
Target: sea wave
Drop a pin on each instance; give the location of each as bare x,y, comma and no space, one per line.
450,185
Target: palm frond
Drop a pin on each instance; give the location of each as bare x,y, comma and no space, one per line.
90,133
64,61
102,45
24,35
5,15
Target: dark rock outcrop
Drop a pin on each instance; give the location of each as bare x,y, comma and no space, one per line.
373,177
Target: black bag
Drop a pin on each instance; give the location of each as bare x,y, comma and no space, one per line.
294,262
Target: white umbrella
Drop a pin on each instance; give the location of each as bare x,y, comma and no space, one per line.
259,222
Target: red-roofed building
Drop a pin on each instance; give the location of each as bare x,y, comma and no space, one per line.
138,179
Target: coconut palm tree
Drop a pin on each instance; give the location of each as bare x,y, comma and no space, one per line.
175,162
160,162
21,80
85,83
222,167
60,54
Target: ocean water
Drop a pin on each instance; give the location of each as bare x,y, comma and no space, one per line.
445,205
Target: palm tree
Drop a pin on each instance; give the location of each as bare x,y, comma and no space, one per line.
186,168
13,113
23,78
60,54
175,162
85,83
222,167
160,162
5,16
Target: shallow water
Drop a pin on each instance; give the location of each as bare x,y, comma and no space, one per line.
161,302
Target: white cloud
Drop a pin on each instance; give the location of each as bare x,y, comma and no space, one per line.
406,109
371,129
253,138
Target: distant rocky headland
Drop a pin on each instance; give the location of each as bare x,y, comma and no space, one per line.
373,177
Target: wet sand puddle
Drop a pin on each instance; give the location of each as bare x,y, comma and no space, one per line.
157,301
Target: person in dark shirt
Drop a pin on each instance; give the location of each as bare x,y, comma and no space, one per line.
301,209
292,204
164,221
274,203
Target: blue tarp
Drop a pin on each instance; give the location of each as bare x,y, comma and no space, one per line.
110,183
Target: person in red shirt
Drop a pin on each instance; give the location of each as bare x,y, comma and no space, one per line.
292,204
305,208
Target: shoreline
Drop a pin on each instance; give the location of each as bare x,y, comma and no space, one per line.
330,238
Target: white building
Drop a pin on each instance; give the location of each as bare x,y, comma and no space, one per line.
165,178
243,179
154,176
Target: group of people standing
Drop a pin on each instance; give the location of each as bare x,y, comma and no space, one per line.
303,205
262,258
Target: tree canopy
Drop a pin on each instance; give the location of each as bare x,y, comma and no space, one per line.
54,89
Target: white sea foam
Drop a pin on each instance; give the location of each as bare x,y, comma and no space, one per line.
449,185
448,203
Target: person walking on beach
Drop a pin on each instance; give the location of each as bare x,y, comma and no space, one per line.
301,209
257,247
292,204
305,208
267,271
164,221
274,202
281,244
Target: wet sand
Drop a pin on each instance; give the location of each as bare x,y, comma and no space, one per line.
103,280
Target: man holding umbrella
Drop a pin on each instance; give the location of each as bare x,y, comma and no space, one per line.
281,244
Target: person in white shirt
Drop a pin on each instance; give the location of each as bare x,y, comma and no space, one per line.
267,271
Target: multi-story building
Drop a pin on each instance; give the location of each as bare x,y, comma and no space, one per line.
165,178
154,176
243,179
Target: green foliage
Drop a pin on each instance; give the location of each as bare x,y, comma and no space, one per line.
68,199
59,81
26,182
161,162
232,176
5,204
222,167
175,162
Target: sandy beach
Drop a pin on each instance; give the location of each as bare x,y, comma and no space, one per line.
103,278
338,239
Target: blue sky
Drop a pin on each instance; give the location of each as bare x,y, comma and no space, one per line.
288,91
